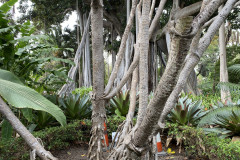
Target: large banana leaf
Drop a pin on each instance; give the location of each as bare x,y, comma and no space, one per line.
23,97
8,76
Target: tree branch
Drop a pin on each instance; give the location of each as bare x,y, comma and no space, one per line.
114,20
156,18
121,49
189,10
73,71
125,78
152,9
24,133
204,15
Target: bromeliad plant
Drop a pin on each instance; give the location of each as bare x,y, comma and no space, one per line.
121,103
76,107
186,112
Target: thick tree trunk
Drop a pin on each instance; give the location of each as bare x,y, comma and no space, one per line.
143,61
98,111
225,93
24,133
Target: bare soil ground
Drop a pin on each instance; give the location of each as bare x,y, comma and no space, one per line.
79,152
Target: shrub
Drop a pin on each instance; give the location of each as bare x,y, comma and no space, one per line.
53,138
210,146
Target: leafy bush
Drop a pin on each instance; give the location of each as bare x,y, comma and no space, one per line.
53,138
113,122
82,91
186,112
206,146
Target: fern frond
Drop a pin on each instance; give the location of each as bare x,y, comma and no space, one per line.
206,85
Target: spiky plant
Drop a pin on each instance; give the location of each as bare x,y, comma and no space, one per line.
121,103
76,107
186,112
225,121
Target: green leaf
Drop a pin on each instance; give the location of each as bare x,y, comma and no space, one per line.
32,127
28,38
20,96
27,113
7,5
118,112
6,130
56,59
8,76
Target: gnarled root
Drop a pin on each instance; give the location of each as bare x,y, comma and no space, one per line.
96,141
126,150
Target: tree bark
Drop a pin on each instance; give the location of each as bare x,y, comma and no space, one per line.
178,52
156,17
225,93
143,61
98,111
24,133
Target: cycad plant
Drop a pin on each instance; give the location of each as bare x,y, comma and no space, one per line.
76,107
234,87
224,121
121,103
186,112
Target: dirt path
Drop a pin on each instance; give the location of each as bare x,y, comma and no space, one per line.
80,153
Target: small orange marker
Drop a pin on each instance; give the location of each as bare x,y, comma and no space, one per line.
105,134
159,143
160,151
